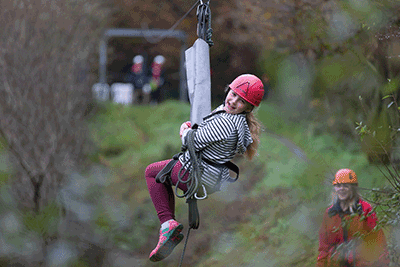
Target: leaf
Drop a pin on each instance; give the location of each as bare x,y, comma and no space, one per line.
390,104
386,96
391,87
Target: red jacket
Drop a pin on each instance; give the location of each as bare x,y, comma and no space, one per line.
369,249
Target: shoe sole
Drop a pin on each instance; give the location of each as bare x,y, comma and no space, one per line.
166,249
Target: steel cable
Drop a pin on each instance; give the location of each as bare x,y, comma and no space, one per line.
162,37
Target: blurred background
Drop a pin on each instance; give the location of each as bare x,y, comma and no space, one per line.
72,159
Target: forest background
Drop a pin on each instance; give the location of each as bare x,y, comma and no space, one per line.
72,185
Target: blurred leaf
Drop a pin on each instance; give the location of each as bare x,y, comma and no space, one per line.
389,88
45,222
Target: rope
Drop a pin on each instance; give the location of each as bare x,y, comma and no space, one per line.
162,37
193,181
209,30
193,184
184,247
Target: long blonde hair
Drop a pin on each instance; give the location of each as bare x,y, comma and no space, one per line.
254,127
255,130
355,195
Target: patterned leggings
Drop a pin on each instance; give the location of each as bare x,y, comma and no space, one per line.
162,195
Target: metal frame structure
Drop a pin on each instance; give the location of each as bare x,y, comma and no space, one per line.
148,33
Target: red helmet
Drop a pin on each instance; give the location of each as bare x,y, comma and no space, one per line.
249,87
345,176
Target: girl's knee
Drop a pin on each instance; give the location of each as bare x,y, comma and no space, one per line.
149,169
154,168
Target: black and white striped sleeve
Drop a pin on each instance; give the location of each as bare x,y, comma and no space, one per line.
213,131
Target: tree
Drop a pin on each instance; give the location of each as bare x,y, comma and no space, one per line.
45,90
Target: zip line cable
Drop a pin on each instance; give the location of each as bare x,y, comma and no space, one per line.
152,40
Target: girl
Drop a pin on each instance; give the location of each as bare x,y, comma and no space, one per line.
342,222
230,129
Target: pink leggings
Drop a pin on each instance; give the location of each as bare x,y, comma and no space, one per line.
162,195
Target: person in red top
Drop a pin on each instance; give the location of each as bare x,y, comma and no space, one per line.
347,236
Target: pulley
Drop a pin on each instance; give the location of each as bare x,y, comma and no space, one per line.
204,30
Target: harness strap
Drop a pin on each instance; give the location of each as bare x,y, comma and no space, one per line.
230,165
165,173
194,221
194,217
164,176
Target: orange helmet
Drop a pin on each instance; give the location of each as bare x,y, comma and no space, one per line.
345,176
249,87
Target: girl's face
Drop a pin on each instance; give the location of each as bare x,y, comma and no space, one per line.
343,191
234,104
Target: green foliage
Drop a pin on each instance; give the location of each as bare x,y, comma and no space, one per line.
80,263
390,88
338,68
4,178
112,128
142,134
385,196
294,156
139,133
268,62
45,223
301,158
123,237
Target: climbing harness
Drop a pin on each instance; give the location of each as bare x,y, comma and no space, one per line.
194,180
196,190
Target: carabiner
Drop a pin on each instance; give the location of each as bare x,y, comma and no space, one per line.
205,194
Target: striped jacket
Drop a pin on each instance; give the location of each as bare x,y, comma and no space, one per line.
219,138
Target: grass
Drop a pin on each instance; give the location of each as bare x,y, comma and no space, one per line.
297,167
270,217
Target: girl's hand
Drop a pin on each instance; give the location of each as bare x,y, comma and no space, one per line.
184,126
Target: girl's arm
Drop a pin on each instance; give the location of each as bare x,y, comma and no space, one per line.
216,130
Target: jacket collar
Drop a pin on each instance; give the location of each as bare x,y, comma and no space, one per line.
336,209
220,109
